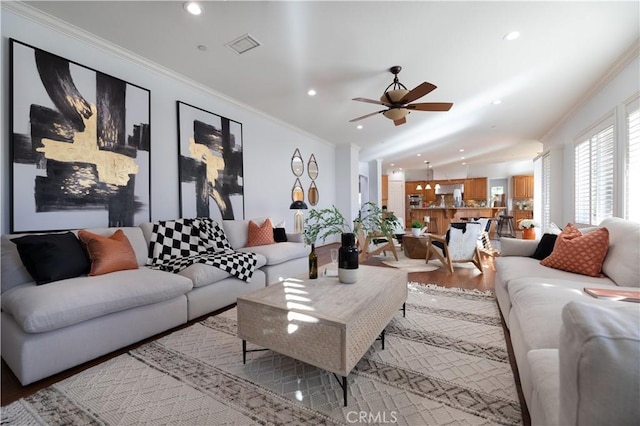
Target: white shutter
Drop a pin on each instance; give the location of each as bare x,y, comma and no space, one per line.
602,171
582,176
632,178
594,174
546,190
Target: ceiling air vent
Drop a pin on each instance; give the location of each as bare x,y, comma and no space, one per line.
243,44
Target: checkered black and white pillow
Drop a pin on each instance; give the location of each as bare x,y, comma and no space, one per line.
174,238
212,235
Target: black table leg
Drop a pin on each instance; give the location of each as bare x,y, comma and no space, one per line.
244,351
343,385
344,390
404,310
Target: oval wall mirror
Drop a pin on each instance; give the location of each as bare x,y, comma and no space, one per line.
297,192
313,195
312,167
297,163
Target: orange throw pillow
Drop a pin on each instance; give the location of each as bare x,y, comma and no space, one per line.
108,254
582,254
260,235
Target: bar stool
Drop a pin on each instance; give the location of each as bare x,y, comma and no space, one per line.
506,221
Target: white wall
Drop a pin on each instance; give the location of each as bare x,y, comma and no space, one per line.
268,144
612,97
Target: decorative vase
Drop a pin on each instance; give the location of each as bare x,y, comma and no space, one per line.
528,234
416,232
348,259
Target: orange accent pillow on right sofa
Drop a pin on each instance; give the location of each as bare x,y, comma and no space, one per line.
578,252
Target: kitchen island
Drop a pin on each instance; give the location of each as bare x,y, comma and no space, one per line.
445,215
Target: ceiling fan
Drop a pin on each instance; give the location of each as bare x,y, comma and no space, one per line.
398,100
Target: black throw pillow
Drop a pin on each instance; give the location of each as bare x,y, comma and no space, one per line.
545,246
53,257
279,235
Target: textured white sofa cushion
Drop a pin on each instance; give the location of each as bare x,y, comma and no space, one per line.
516,247
600,364
279,252
202,275
538,305
622,263
62,303
545,377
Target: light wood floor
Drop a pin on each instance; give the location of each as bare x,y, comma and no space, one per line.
12,390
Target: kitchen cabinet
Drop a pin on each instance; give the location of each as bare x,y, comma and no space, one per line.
475,189
522,187
429,194
519,215
410,188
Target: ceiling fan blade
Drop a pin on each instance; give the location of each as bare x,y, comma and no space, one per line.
418,92
371,101
400,121
430,106
366,116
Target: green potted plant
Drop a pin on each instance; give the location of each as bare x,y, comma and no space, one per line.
416,228
322,223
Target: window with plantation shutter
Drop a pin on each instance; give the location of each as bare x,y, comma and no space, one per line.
546,190
632,169
594,175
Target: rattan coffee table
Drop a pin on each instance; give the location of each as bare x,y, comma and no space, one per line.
323,322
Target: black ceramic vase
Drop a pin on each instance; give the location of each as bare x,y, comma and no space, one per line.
348,259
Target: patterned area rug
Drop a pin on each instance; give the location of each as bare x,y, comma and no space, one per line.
409,265
445,363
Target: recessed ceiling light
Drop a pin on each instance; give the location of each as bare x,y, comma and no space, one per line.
464,164
192,7
392,164
359,126
462,158
425,161
511,36
400,169
311,92
419,155
461,150
497,102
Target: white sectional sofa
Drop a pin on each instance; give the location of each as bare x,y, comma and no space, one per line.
49,328
564,378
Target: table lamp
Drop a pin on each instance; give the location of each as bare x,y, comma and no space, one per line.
298,217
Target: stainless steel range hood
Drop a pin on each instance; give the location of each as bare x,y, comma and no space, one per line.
448,189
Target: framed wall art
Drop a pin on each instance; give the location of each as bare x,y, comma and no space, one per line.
80,145
210,164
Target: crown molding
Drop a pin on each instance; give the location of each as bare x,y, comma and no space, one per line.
41,18
625,59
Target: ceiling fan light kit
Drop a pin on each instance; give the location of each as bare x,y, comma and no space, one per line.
398,100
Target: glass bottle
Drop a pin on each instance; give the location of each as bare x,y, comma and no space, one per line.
313,263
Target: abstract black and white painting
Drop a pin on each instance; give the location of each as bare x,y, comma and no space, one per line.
211,173
80,145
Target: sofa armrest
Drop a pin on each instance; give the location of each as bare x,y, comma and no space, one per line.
295,238
516,247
